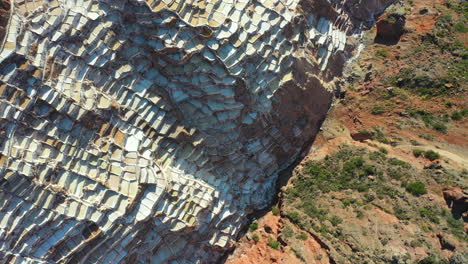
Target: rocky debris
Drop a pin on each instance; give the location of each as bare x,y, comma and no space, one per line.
390,29
268,229
157,126
358,136
423,11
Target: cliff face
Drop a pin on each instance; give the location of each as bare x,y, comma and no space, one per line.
4,15
145,131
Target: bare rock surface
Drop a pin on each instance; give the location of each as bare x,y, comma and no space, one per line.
145,131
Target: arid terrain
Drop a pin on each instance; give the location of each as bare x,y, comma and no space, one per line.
386,179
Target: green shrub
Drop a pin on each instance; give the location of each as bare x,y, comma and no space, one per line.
431,155
454,223
423,85
418,152
416,188
275,210
432,260
464,112
287,231
311,210
351,165
376,155
369,197
298,254
253,226
436,122
416,243
430,213
255,237
347,202
457,115
385,190
377,109
383,150
445,18
294,216
336,220
302,236
400,213
397,162
273,243
359,214
366,133
441,127
427,136
460,27
396,174
457,227
382,53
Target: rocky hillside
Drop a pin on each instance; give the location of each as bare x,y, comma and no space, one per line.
386,179
145,131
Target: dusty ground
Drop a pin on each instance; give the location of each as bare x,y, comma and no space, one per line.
414,239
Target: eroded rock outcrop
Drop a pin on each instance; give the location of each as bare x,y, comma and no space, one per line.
145,131
390,29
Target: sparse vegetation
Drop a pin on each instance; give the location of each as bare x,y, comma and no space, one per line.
302,236
275,210
255,237
383,150
456,116
298,254
432,260
429,154
459,115
383,53
336,220
362,180
422,85
346,169
287,231
431,213
400,213
456,228
377,109
294,216
376,133
273,243
436,122
253,226
416,188
427,136
418,152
